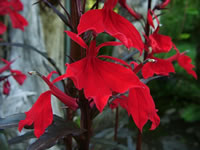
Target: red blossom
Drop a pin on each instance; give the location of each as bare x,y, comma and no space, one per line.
106,20
99,78
122,101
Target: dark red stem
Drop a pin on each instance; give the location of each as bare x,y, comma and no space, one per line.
139,141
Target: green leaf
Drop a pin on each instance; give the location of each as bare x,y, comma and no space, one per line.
191,113
56,131
11,121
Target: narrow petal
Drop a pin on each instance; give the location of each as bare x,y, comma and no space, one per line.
2,28
7,66
67,100
18,76
130,10
185,62
160,67
77,39
16,5
40,115
111,43
142,107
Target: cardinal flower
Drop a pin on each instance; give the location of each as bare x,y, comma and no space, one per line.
106,20
157,43
41,114
96,77
12,8
140,105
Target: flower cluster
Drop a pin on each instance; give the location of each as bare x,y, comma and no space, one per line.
16,74
12,8
100,79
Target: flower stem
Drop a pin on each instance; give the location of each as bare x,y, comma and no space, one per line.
139,141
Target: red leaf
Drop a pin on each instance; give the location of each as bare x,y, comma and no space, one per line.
18,76
40,115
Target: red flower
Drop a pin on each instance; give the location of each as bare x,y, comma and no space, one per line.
141,107
106,20
150,19
12,8
99,78
41,113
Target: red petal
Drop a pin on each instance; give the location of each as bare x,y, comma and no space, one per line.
110,4
160,43
120,28
112,43
16,5
50,74
40,115
6,67
67,100
185,62
91,20
6,87
130,10
150,19
100,78
112,23
142,107
164,4
160,67
2,28
17,20
18,76
77,39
